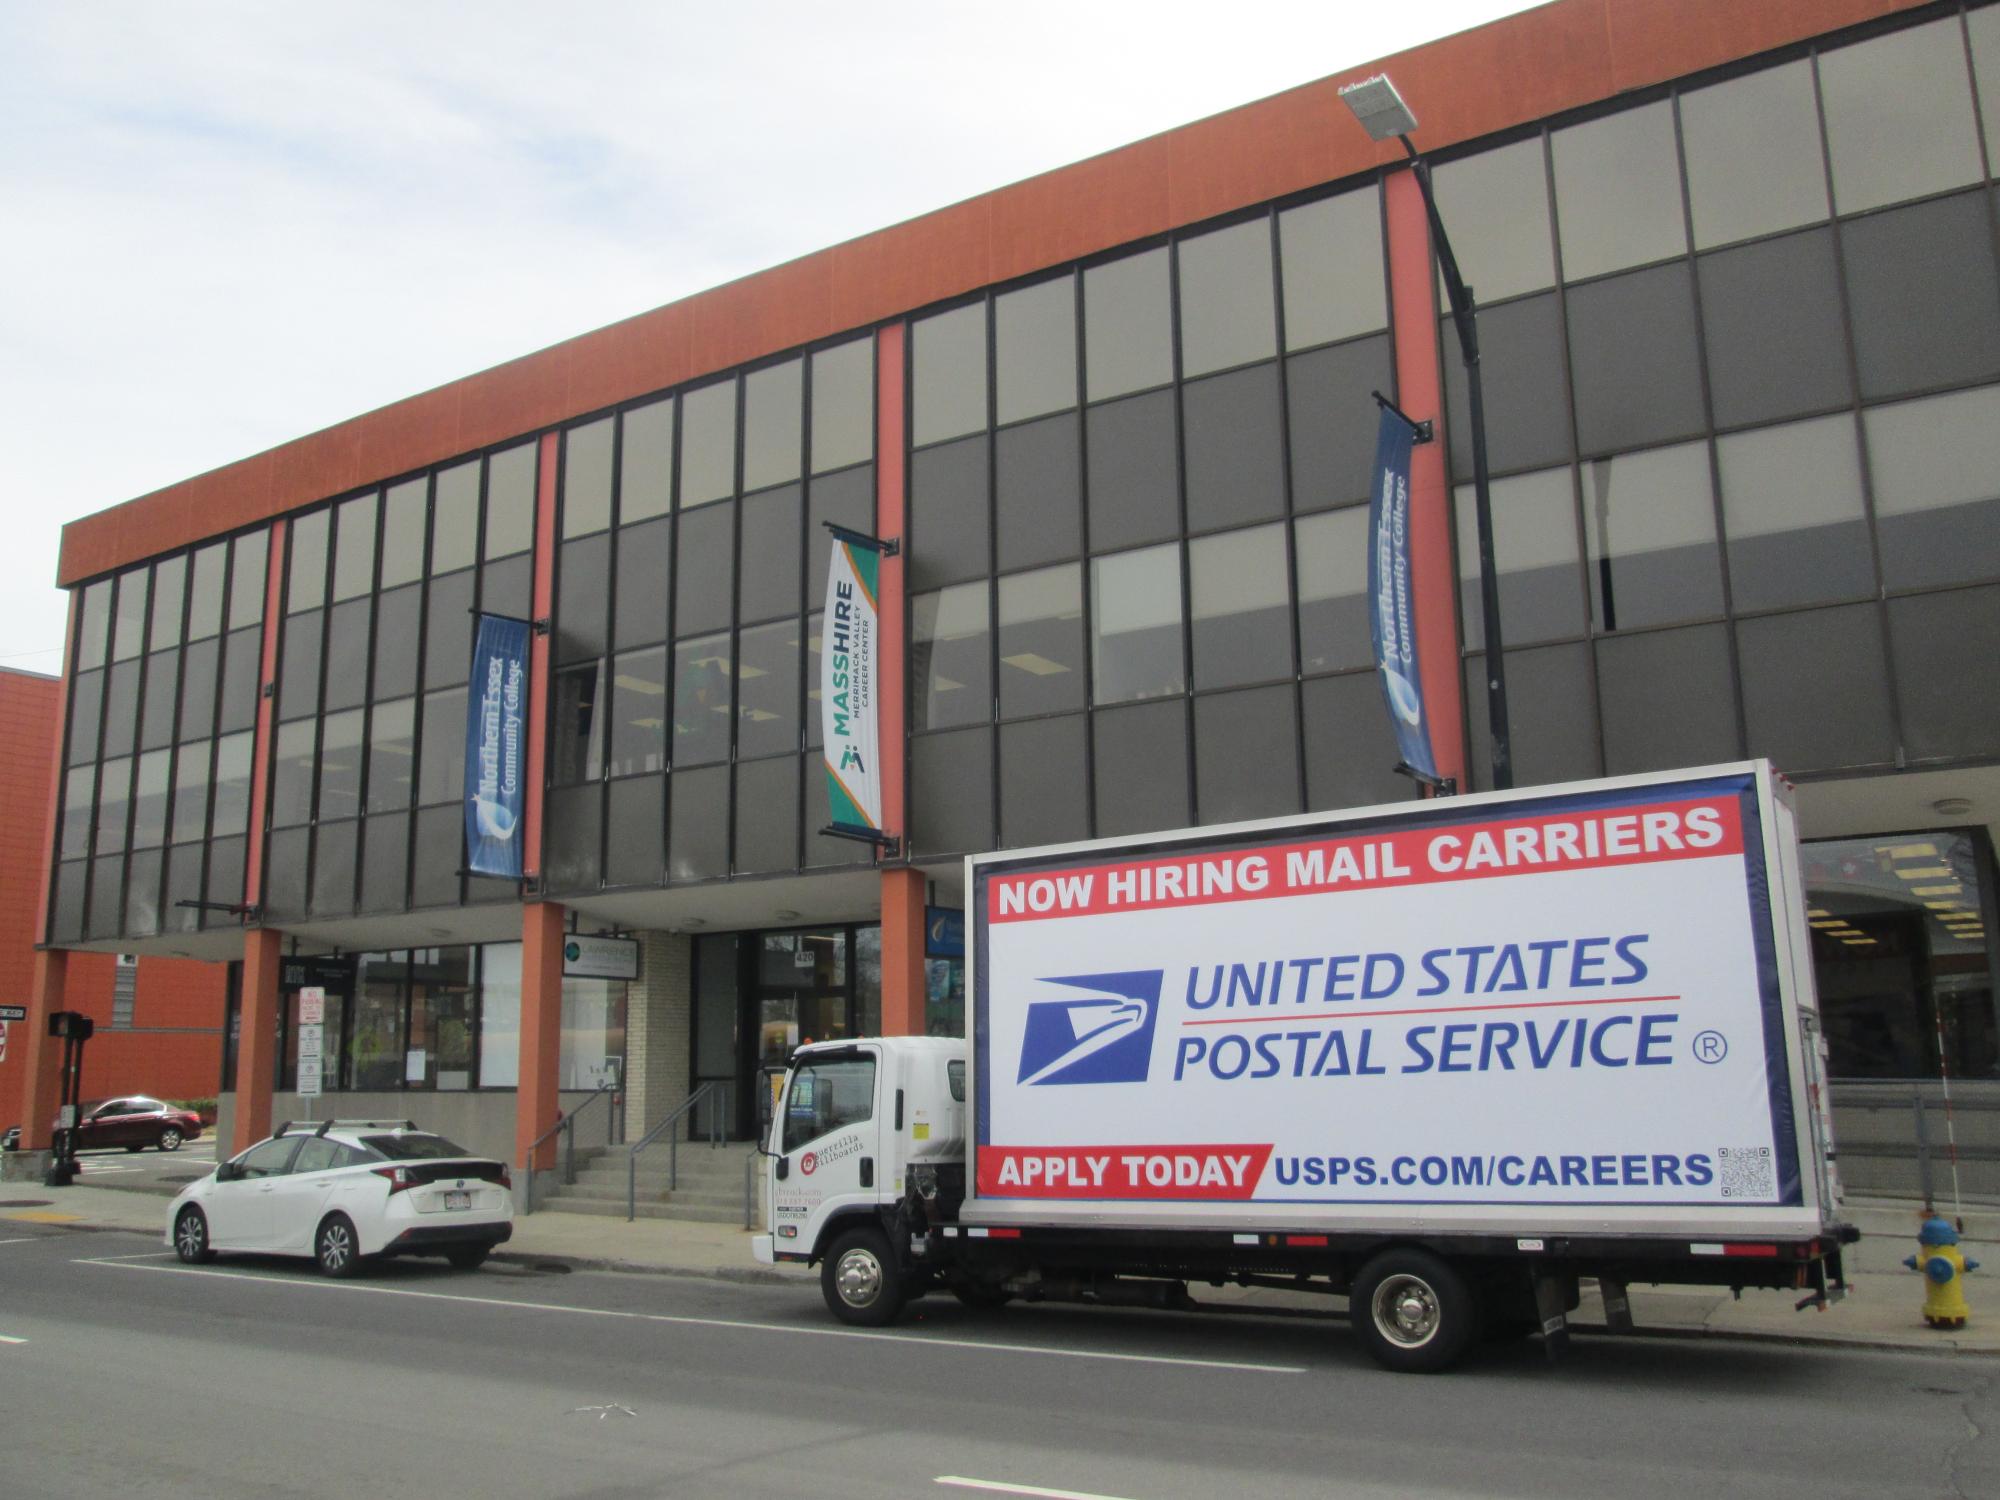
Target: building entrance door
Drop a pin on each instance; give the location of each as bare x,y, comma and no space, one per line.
800,991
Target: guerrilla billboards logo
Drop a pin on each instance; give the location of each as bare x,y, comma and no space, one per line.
1102,1036
499,747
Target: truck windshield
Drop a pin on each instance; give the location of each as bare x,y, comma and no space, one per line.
827,1096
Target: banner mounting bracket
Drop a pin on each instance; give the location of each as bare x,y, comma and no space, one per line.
1421,432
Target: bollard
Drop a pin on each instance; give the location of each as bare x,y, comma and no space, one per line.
1944,1269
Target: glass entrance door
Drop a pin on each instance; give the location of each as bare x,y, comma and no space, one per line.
802,991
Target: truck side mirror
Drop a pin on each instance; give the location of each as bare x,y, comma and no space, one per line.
784,1168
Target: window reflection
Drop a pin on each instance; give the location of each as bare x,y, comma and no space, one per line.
1135,643
948,655
1902,956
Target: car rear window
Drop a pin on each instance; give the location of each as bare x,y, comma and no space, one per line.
414,1147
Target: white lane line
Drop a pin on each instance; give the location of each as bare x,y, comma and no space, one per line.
20,1240
982,1345
958,1481
4,1339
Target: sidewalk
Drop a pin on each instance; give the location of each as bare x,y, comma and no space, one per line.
1882,1309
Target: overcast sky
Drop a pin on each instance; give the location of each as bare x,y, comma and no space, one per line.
230,224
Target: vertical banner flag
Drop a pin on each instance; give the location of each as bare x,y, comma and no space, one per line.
1392,620
496,747
847,685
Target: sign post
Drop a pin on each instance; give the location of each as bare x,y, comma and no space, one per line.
312,1014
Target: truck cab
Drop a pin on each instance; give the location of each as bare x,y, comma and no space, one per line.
856,1124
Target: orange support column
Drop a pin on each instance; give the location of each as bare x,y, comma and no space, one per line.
1420,392
902,887
257,1039
903,952
537,1101
41,1054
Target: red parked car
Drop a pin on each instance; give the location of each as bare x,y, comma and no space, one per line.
134,1122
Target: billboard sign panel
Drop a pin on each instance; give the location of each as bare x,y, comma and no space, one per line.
1569,999
1391,606
496,747
847,684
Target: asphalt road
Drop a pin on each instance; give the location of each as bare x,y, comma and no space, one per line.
122,1372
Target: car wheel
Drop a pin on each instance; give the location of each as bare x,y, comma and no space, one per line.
1413,1312
468,1258
191,1237
170,1139
336,1248
862,1284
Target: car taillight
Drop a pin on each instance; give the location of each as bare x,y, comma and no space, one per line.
507,1179
399,1178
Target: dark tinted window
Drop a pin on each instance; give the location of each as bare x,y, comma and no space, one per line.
411,1146
1623,402
1772,315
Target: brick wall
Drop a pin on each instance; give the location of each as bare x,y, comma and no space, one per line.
174,1047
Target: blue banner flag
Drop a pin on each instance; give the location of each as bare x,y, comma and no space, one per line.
496,747
1391,613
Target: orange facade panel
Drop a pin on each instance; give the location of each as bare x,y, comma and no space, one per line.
1558,57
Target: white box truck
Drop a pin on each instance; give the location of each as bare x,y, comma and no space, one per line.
1446,1058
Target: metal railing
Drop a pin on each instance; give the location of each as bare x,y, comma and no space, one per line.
566,1127
708,1091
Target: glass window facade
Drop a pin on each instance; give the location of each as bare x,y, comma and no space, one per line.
1742,444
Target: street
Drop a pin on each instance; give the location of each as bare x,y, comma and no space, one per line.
120,1368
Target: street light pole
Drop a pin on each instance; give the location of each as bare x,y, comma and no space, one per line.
1385,116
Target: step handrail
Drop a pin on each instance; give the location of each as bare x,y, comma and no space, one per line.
710,1090
566,1126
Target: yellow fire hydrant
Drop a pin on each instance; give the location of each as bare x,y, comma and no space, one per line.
1944,1269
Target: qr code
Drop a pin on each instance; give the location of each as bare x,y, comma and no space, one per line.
1746,1172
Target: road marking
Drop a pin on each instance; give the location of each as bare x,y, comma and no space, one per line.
4,1339
42,1216
983,1345
960,1482
20,1240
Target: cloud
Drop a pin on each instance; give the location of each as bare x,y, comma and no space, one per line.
235,223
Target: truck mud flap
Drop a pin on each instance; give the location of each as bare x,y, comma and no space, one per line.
1551,1302
1617,1305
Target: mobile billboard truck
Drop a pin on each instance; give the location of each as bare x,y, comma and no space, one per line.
1446,1058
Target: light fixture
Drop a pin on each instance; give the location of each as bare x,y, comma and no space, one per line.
1952,807
694,921
784,914
1379,108
1383,114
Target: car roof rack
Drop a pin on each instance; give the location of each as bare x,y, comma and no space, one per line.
375,1124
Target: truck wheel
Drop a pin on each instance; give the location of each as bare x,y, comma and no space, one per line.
863,1285
1412,1311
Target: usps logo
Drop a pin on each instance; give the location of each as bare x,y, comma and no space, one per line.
1103,1035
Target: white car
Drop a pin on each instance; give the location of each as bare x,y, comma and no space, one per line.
343,1190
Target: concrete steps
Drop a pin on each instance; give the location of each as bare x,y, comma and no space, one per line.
709,1188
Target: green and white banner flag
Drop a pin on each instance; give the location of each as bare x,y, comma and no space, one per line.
847,685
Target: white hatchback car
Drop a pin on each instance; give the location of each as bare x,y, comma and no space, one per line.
344,1190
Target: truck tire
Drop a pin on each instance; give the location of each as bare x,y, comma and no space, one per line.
1413,1312
861,1281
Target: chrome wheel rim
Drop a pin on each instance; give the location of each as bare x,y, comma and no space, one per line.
170,1140
192,1236
334,1246
1406,1312
859,1277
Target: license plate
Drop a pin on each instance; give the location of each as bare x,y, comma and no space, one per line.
457,1200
